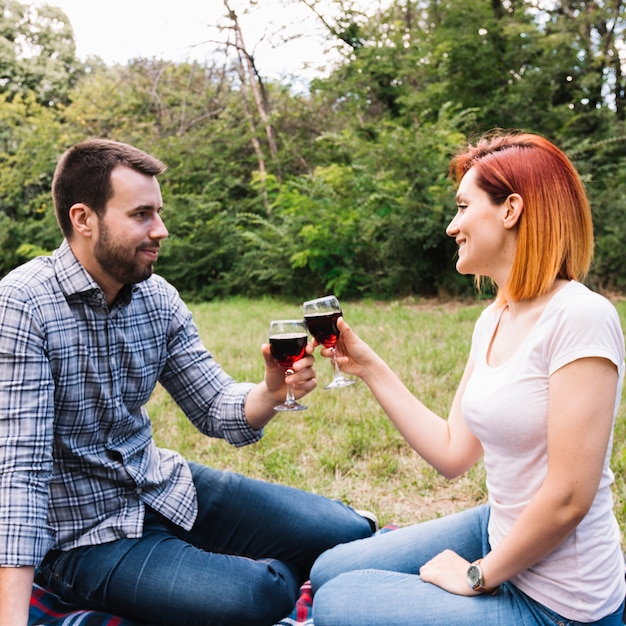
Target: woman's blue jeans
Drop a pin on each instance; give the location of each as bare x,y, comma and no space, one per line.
250,549
375,581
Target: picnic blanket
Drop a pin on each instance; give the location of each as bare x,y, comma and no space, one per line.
46,609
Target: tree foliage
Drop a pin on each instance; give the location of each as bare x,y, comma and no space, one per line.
37,52
344,188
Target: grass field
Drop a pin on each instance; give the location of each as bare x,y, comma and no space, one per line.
344,446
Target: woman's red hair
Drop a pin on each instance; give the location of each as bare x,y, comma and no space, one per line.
555,231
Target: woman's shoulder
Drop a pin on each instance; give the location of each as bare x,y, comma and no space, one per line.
579,302
581,322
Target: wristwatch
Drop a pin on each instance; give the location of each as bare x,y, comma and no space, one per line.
475,579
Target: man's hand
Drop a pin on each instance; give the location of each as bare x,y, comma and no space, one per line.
272,390
16,587
303,379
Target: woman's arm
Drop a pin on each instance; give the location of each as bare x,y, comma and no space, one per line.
448,445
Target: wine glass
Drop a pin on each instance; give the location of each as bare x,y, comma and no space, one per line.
288,340
321,317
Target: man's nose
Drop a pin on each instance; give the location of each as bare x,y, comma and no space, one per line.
158,230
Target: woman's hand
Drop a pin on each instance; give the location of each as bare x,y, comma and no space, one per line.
448,570
353,355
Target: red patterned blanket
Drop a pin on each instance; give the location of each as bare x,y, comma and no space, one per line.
46,609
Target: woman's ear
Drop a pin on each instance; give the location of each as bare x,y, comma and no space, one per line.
514,206
82,218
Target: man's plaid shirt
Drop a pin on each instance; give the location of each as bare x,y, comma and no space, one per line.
77,458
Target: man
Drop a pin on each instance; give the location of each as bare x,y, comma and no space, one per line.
113,522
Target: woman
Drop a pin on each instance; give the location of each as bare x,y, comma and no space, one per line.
537,400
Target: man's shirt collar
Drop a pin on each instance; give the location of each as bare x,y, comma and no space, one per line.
75,281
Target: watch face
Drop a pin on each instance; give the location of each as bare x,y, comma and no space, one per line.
473,576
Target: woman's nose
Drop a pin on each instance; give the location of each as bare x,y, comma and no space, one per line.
452,228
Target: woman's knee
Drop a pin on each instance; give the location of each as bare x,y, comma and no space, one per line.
326,567
338,601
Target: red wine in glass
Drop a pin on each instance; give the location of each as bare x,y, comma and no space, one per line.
287,348
287,339
323,326
321,317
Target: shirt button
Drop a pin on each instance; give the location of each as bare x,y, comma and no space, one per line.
138,490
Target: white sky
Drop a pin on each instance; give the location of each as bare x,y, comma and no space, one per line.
178,30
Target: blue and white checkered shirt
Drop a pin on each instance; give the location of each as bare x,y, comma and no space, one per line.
77,458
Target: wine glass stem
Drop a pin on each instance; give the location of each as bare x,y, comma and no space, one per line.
333,360
290,399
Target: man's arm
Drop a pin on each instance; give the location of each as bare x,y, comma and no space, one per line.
216,404
16,587
26,409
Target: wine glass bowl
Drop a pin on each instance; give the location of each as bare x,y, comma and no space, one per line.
323,327
321,317
288,339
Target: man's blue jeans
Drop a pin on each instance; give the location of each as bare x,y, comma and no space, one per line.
375,582
250,549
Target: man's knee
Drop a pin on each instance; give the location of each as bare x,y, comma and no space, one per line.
264,600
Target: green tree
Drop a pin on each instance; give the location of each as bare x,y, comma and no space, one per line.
371,224
353,196
505,64
29,139
37,52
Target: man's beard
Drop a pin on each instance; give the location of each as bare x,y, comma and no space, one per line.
118,261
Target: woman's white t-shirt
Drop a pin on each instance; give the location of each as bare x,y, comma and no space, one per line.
506,407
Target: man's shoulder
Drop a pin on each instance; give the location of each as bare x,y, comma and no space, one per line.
29,294
34,276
